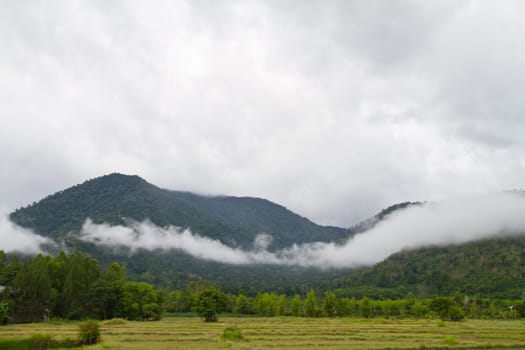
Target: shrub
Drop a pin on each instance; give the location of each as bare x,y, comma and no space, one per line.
116,322
449,340
232,333
89,333
40,341
456,313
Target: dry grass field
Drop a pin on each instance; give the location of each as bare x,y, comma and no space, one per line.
291,333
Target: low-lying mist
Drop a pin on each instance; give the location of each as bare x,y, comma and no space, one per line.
453,221
16,239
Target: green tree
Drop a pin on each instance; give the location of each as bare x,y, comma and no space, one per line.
296,306
456,313
310,304
178,301
281,305
208,303
520,309
4,312
82,273
9,271
106,291
58,269
265,304
243,305
31,290
329,305
365,307
139,301
441,306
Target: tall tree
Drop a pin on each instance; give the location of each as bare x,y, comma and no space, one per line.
140,301
83,272
31,291
106,291
329,304
310,304
209,303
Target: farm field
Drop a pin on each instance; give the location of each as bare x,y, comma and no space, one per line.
290,333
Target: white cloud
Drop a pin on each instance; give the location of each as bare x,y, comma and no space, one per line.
335,109
16,239
453,221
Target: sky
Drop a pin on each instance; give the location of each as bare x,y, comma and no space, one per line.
335,109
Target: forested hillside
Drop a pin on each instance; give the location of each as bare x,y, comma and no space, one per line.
114,198
492,267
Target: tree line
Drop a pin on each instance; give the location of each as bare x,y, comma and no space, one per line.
71,287
74,287
328,304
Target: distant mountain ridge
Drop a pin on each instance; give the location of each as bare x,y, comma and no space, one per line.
490,267
234,221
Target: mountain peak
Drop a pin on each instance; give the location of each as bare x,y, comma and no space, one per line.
114,198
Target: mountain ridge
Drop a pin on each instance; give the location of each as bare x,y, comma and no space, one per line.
235,221
490,267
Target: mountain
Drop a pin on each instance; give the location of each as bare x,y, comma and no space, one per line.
115,198
371,222
493,267
235,221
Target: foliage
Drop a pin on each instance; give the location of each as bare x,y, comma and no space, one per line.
491,267
208,303
139,302
231,333
441,306
115,322
4,312
89,333
487,268
40,341
37,341
520,308
31,291
450,340
113,197
456,313
72,287
310,304
329,305
106,292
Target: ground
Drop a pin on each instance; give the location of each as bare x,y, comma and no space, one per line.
291,333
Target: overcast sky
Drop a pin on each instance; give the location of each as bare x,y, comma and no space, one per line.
335,109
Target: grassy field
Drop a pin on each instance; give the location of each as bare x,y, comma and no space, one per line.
291,333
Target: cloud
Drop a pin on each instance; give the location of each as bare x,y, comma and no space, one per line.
453,221
16,239
331,108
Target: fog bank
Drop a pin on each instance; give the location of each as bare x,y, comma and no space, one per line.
14,238
453,221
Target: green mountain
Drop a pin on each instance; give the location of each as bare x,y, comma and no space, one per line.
492,267
115,198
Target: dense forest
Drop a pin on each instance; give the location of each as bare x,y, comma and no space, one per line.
73,287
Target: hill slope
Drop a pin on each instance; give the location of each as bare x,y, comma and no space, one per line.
490,267
114,198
